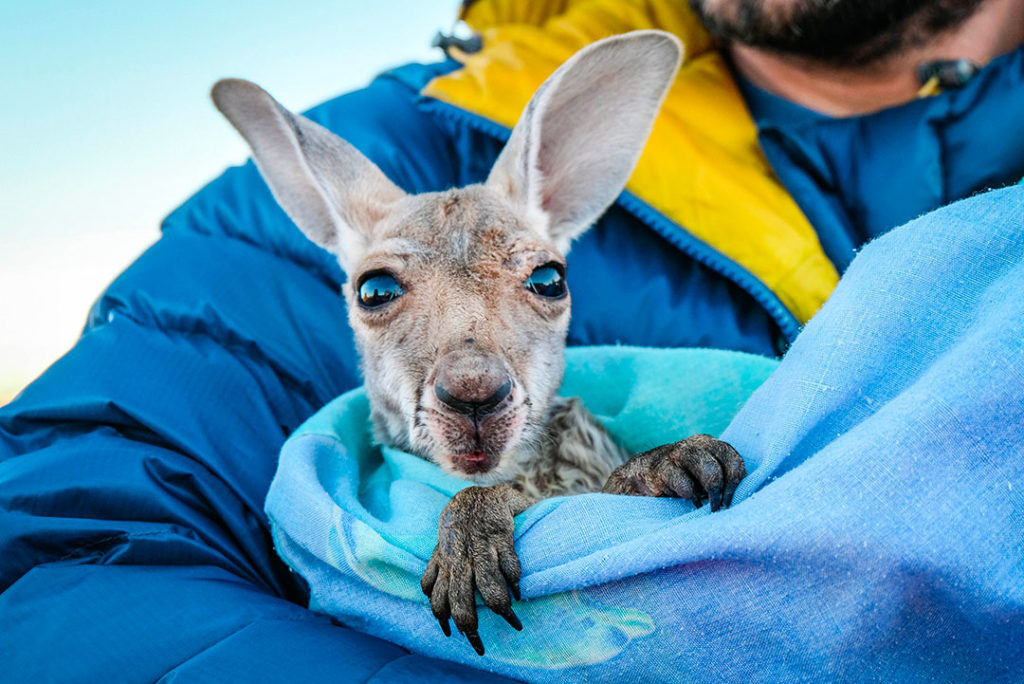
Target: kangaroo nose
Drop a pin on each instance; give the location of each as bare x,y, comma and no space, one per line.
471,383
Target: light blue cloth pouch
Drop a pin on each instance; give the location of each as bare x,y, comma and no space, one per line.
359,521
878,537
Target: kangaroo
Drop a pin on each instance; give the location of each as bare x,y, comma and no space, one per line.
459,304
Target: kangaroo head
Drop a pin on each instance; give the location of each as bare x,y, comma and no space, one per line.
458,299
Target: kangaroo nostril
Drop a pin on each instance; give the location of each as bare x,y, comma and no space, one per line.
474,405
498,396
471,381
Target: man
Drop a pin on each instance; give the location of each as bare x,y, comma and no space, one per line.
134,470
856,178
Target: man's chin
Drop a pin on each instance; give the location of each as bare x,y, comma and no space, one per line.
848,33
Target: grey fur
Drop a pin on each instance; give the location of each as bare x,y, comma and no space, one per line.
463,367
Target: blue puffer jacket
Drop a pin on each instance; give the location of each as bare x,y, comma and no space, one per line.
133,543
134,470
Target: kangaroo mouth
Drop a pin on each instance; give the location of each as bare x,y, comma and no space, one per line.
473,463
475,445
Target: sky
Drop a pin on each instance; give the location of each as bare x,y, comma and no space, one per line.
107,126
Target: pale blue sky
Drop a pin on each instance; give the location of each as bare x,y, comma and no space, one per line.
107,126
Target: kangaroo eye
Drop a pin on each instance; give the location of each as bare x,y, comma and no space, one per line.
547,281
377,288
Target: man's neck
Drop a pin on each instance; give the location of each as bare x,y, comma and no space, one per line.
995,29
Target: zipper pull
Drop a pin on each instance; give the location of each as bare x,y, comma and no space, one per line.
466,46
943,74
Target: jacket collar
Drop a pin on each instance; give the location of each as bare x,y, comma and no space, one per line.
702,169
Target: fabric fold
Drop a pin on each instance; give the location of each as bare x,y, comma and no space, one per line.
878,535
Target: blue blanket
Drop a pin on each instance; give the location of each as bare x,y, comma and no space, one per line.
879,535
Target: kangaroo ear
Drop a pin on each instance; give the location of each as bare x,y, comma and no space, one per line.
580,136
333,193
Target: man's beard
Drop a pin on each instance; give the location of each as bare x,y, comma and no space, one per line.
839,32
